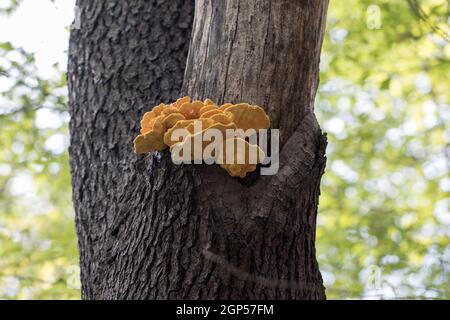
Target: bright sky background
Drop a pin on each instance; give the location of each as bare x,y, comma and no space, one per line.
40,26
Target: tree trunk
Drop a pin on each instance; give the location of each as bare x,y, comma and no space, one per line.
126,57
149,229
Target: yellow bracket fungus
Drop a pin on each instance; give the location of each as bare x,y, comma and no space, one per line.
240,163
191,110
195,141
210,113
248,117
224,106
151,140
172,119
221,118
181,101
184,124
207,108
159,125
208,102
169,110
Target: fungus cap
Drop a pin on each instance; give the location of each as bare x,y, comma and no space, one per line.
181,101
224,106
159,108
189,125
196,141
169,110
191,110
244,159
248,116
221,118
172,119
207,108
208,102
210,113
149,142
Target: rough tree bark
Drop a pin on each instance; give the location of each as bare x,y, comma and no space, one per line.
125,57
151,230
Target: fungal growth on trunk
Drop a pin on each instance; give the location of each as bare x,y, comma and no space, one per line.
176,126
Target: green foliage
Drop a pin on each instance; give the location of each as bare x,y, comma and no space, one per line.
384,225
8,6
38,256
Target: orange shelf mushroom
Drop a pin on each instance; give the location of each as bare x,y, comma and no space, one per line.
194,141
159,125
248,117
151,138
239,163
207,109
184,124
